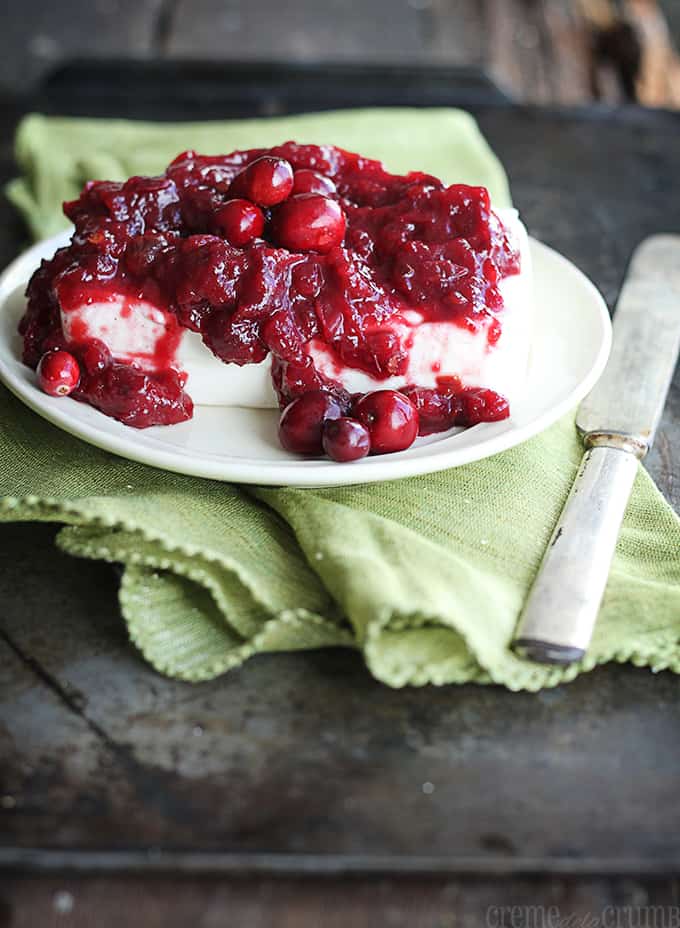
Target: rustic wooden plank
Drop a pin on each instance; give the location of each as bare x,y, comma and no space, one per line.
557,51
283,755
305,754
571,51
34,35
51,760
301,31
360,903
453,31
541,51
563,51
658,80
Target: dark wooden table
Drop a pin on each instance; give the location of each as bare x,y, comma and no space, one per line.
296,790
542,51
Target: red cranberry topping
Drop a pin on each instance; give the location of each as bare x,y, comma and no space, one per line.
345,440
266,181
143,251
391,420
309,222
453,405
55,341
94,356
58,373
438,410
137,398
305,181
483,406
408,242
240,221
301,424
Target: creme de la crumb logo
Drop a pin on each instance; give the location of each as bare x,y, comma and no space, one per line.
625,916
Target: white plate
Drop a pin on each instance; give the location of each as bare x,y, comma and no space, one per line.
570,348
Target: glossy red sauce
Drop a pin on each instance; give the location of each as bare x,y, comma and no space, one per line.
410,243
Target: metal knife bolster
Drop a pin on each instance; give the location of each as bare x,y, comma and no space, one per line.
618,422
622,441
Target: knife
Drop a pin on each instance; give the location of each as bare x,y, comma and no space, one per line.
617,421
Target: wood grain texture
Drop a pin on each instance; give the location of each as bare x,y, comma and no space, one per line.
305,754
556,51
304,30
657,81
539,51
359,903
398,31
36,35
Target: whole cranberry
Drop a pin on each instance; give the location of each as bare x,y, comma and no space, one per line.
301,423
306,181
266,181
58,373
240,221
345,440
391,420
309,222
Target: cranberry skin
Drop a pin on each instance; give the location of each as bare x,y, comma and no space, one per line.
240,221
391,420
94,356
345,440
480,405
306,181
302,421
266,181
309,222
438,410
58,373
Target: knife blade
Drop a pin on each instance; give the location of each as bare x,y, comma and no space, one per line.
618,422
630,395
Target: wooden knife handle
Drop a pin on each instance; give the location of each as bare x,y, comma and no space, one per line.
559,615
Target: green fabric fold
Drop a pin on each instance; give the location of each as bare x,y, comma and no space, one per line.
425,576
57,156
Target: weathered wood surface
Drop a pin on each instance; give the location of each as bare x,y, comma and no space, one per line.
557,51
302,761
36,35
154,902
305,757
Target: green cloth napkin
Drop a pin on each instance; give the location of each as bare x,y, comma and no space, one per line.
426,576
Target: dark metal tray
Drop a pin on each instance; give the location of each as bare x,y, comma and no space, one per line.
302,763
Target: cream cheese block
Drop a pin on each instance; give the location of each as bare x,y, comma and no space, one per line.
134,330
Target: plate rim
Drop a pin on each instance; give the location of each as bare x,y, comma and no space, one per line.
297,472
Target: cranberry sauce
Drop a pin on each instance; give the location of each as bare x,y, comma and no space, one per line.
318,243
